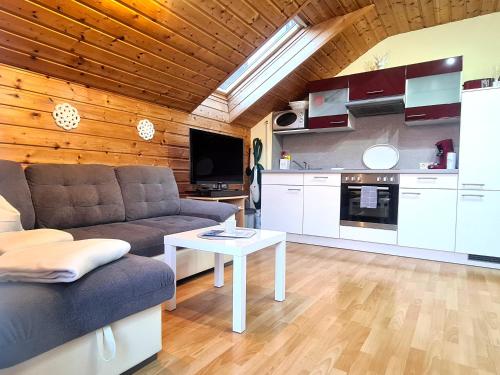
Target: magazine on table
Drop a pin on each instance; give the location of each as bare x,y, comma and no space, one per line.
221,234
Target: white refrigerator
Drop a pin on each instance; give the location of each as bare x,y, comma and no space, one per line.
478,206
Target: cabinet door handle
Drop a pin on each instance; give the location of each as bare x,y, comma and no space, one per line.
320,177
473,195
414,116
337,122
293,189
410,193
384,188
427,178
374,92
472,184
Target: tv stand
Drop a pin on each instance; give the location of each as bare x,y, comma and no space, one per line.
216,193
236,200
219,189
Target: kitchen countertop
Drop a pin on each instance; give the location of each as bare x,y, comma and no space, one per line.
333,171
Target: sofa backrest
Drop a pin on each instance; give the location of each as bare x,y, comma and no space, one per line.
14,188
70,196
148,191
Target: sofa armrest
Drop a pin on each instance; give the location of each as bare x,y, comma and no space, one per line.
217,211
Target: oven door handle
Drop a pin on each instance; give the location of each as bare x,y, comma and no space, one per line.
359,188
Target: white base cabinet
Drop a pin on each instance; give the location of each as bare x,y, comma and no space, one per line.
321,211
427,218
478,222
282,208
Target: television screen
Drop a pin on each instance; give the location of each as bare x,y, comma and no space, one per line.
215,158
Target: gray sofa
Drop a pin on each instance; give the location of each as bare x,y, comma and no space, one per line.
137,204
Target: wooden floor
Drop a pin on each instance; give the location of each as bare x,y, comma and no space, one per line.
345,312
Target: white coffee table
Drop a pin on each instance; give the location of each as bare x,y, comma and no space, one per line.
239,249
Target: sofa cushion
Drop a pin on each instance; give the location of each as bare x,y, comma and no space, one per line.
69,196
35,318
148,191
14,188
176,223
217,211
145,241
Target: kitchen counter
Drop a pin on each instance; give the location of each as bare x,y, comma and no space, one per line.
330,171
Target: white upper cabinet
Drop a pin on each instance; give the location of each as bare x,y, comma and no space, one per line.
479,157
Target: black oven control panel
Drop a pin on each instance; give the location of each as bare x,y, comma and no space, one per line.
370,178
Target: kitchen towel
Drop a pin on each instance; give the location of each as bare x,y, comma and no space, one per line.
368,197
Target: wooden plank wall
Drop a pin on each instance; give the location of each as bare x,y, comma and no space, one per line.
107,131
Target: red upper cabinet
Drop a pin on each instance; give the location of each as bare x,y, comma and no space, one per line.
433,91
329,84
378,83
430,68
327,99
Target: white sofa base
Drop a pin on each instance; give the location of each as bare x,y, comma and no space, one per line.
410,252
137,338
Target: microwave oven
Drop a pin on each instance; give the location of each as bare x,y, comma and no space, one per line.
289,119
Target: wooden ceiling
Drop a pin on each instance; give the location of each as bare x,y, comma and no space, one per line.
177,52
171,52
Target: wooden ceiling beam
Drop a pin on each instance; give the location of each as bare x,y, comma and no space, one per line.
129,22
24,35
39,50
199,28
26,61
230,19
184,67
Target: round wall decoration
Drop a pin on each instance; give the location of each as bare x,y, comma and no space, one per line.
146,129
66,116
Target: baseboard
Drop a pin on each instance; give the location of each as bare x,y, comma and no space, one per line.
408,252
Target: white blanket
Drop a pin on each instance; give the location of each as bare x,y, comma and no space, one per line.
65,261
12,241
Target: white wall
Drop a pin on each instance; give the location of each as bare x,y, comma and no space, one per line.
263,130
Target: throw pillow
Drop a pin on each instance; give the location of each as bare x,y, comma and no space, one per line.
10,217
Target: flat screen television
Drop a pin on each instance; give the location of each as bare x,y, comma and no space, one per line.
215,158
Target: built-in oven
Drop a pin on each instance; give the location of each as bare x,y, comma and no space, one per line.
369,200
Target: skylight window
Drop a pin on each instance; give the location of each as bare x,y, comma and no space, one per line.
265,51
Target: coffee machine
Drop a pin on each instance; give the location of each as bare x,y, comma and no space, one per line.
443,148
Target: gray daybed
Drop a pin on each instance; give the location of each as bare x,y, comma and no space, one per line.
136,204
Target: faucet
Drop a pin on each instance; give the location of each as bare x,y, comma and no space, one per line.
305,166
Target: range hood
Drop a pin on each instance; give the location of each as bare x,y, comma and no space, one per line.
378,106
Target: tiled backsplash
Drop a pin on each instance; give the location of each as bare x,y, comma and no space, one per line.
345,149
